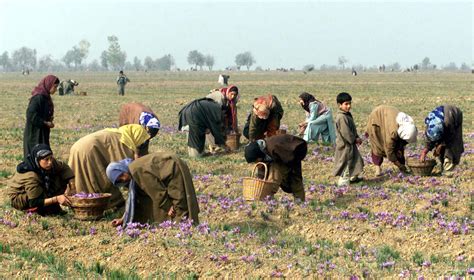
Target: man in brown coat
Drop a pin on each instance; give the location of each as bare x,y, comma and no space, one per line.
283,153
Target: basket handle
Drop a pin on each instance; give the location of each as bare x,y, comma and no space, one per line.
265,168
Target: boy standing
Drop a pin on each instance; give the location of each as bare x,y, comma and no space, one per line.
122,80
348,162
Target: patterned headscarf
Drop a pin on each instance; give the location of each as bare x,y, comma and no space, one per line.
149,120
435,124
406,128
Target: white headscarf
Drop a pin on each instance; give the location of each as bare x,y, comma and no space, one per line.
406,128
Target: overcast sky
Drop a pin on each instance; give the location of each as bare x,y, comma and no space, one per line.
278,34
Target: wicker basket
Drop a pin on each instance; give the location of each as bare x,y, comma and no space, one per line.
233,141
91,208
255,188
421,168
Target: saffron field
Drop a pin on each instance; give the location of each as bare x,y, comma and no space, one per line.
396,226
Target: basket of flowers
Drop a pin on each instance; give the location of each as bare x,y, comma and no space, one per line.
421,168
255,188
89,206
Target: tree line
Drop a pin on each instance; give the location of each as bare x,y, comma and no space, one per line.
114,58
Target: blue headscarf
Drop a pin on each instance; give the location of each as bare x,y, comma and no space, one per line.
435,124
113,171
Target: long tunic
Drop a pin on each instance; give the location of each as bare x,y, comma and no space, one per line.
230,118
163,180
287,152
36,132
382,128
320,122
347,153
27,186
89,158
130,113
202,114
452,134
259,128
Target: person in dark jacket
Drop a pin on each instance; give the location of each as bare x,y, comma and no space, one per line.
264,120
40,114
40,183
198,117
283,154
444,135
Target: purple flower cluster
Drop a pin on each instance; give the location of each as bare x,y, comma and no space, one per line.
133,230
6,222
185,229
249,259
388,264
203,228
87,195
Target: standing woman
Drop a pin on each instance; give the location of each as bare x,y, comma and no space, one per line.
318,121
40,114
444,134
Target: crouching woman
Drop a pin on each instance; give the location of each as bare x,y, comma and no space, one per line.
283,153
40,183
160,188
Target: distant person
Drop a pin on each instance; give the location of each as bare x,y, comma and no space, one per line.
389,131
354,72
40,114
122,80
444,134
67,87
283,154
199,117
264,119
40,183
160,187
348,163
319,121
223,79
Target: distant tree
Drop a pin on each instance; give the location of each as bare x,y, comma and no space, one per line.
464,67
72,57
149,63
244,59
326,67
395,66
45,63
24,58
425,63
164,63
115,56
83,47
94,65
451,67
5,61
104,60
137,63
259,68
308,68
196,58
209,61
342,61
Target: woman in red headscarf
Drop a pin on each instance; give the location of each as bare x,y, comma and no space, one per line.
40,114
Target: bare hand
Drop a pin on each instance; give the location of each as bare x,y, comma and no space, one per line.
117,222
423,155
171,212
358,141
63,200
49,124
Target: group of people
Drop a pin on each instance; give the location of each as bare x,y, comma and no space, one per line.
160,184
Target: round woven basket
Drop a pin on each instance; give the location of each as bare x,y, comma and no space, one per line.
89,208
420,168
233,141
255,188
